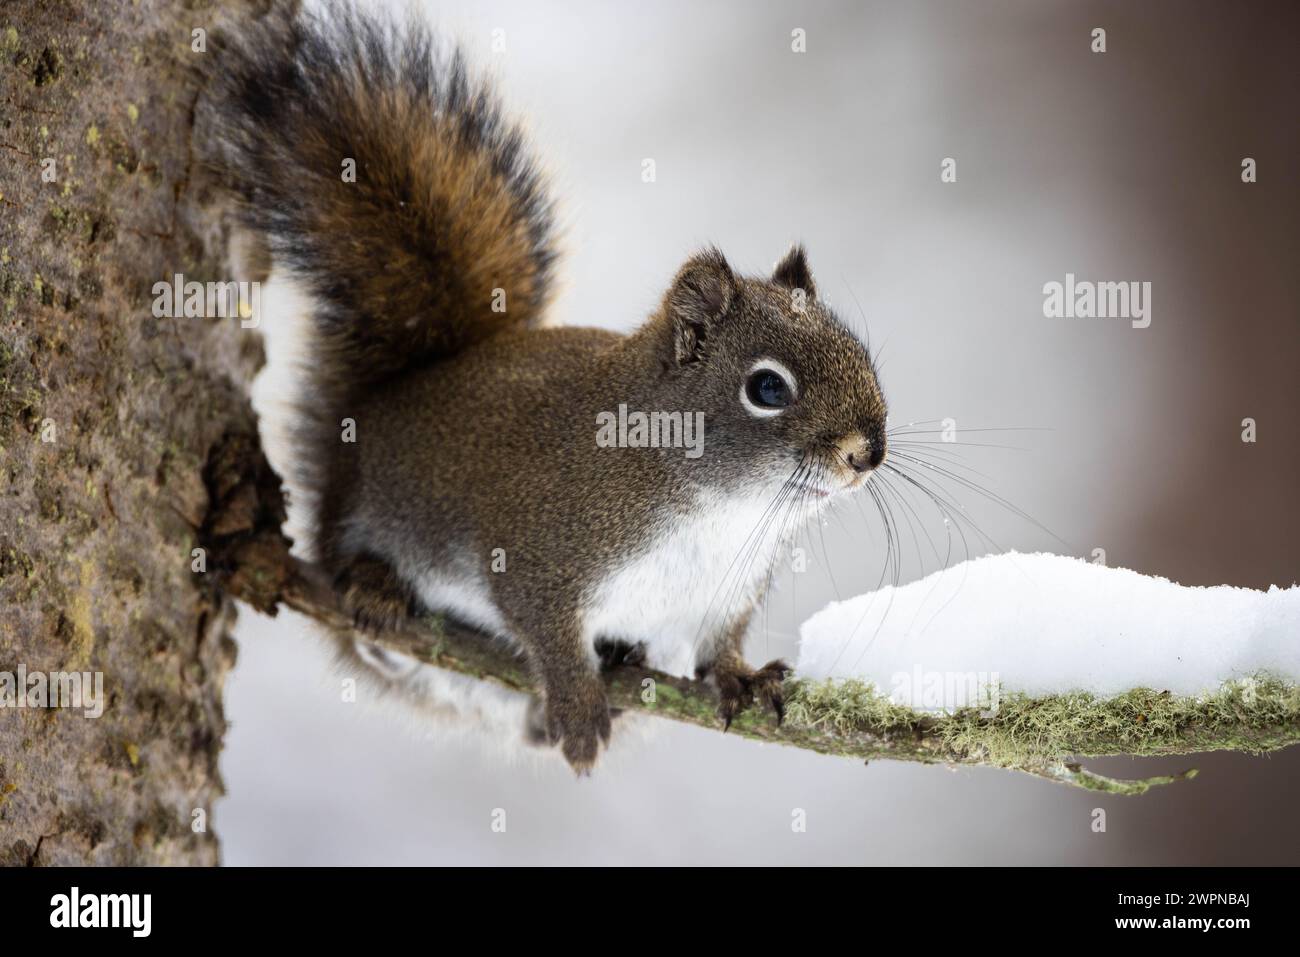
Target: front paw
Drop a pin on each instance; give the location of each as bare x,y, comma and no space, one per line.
578,719
739,685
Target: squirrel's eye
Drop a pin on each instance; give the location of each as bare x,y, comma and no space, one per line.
767,390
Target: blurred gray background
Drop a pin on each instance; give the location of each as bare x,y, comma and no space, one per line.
1116,166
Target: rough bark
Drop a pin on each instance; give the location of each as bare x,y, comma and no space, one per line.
117,431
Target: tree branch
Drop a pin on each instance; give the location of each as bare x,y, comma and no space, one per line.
1037,736
844,718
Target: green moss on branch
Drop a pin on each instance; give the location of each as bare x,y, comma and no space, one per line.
1037,736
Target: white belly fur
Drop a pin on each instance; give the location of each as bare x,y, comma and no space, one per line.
464,595
682,595
677,598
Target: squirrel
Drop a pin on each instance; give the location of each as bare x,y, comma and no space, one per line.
475,481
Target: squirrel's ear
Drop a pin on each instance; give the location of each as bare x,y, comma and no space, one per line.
700,295
793,272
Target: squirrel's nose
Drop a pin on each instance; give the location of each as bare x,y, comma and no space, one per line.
867,458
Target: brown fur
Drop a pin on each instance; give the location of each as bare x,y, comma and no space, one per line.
475,429
506,459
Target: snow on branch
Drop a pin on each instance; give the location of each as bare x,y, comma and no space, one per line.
1055,659
1050,625
1023,661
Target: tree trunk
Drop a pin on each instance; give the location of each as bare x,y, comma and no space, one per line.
126,440
134,499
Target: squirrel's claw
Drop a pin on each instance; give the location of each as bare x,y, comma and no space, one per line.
738,686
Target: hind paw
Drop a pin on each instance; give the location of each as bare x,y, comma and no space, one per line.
373,596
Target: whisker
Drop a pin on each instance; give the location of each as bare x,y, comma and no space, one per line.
759,524
968,445
991,496
957,512
884,513
950,456
898,430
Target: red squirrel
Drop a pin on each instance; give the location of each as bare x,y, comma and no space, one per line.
481,477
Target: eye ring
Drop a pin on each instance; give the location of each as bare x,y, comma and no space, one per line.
769,389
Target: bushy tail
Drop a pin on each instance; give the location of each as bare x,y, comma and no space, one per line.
443,238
